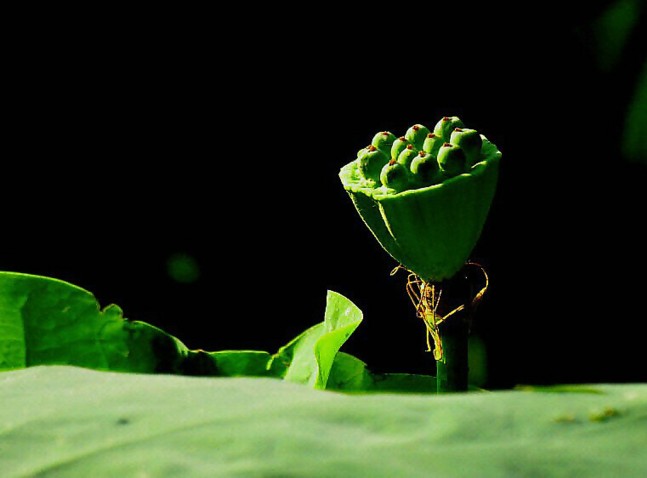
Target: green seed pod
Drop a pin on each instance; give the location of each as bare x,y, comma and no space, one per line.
384,140
372,162
395,176
446,125
416,135
407,155
452,160
470,141
363,151
424,168
398,145
432,144
429,229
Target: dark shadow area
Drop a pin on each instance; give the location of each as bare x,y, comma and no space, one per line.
128,147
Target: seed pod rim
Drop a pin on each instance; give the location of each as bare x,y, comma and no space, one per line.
489,153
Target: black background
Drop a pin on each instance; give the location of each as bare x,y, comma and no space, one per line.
137,135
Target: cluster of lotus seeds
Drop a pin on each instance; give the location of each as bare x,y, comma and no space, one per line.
421,157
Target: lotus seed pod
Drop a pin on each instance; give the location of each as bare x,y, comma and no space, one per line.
424,167
446,125
452,160
407,155
395,176
384,140
398,145
432,144
470,141
363,151
429,228
372,162
416,135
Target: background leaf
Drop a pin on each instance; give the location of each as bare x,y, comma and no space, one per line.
69,422
47,321
296,361
350,374
635,132
237,363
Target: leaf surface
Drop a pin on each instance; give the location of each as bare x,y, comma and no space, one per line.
62,421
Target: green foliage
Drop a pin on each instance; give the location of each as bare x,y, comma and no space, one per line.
612,29
616,43
309,357
45,321
635,132
59,421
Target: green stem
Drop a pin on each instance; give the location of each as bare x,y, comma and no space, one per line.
452,370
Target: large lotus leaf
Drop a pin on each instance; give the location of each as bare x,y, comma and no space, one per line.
61,422
45,321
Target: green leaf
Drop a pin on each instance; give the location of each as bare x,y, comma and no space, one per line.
46,321
612,30
350,374
242,363
64,422
566,388
310,356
